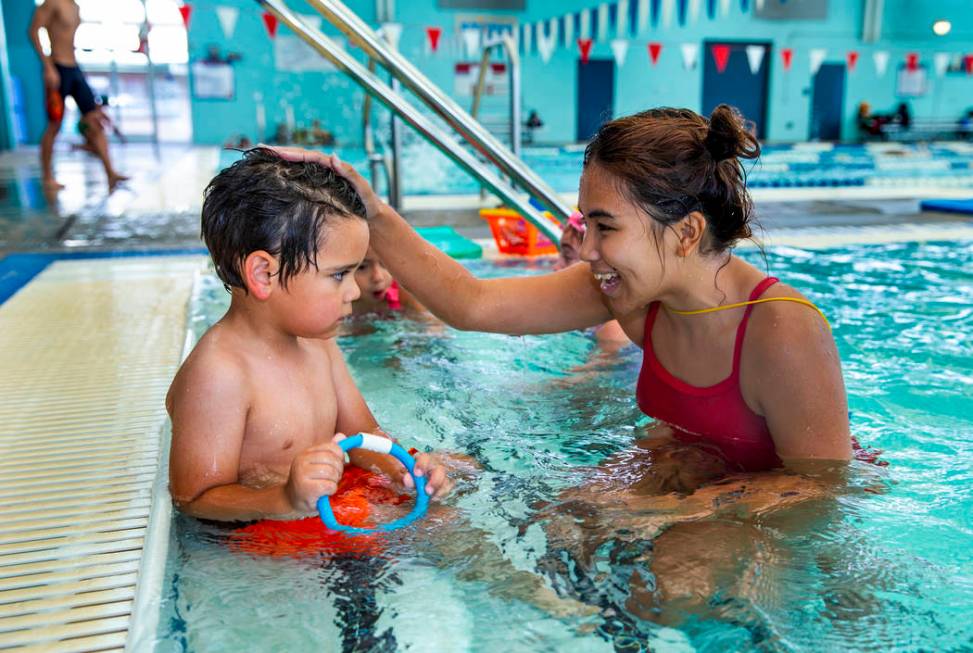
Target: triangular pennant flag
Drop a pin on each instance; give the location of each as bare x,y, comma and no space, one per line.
744,6
968,62
690,55
432,37
393,32
640,22
656,12
941,63
602,32
760,5
787,56
881,59
655,49
852,59
270,22
682,9
185,11
471,41
584,45
694,7
527,38
817,57
620,50
912,61
668,12
227,17
724,8
755,57
721,55
711,9
547,41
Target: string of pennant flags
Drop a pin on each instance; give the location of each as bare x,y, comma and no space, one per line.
622,23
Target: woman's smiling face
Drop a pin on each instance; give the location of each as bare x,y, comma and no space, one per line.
623,245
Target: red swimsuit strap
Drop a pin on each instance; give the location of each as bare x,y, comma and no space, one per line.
742,328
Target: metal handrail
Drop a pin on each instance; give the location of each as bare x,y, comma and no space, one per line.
359,33
394,101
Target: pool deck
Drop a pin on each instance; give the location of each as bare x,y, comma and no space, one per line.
90,345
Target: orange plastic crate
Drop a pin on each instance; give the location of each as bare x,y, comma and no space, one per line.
514,235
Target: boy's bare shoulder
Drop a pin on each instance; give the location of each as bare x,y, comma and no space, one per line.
216,367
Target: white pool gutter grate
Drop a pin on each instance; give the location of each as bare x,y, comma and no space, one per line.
87,350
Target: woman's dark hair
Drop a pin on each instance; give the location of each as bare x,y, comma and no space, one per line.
263,202
673,161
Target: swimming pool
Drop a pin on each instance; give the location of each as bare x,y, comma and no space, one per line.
884,566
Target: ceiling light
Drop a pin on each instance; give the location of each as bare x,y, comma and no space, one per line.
942,27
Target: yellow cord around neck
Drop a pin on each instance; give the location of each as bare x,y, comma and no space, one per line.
751,302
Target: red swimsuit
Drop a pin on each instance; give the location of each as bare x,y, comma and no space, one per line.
716,416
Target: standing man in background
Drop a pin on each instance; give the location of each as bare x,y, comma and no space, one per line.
63,77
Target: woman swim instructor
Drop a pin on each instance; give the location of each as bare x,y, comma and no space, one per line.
734,361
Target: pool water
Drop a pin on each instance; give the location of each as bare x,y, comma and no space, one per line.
886,565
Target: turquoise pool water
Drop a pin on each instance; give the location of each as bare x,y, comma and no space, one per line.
885,565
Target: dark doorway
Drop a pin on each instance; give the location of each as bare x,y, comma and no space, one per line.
596,95
827,102
737,85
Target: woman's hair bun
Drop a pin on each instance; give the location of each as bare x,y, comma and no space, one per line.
729,135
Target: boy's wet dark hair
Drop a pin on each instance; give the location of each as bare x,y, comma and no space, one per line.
263,202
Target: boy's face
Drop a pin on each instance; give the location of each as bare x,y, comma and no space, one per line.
315,300
373,279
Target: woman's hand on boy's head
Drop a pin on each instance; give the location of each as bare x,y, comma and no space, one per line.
438,485
368,197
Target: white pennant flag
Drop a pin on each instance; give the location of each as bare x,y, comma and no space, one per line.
724,8
392,33
227,17
471,41
755,57
621,18
569,31
881,59
760,5
643,16
668,11
690,55
620,50
584,28
602,34
694,6
546,43
817,56
941,63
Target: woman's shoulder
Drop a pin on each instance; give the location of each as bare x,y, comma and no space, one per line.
788,331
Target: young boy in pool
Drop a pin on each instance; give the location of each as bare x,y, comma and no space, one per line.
259,405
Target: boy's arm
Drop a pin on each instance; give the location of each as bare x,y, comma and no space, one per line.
208,404
355,417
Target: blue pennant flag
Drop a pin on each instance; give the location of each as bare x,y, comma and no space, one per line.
744,6
711,8
656,10
613,18
683,5
633,19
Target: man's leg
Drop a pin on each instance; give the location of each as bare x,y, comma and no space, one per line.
47,155
99,142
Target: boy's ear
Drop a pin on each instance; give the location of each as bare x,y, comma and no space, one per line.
259,274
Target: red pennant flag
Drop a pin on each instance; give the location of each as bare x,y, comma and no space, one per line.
912,61
655,49
968,60
585,46
787,55
433,34
721,54
852,60
185,11
270,22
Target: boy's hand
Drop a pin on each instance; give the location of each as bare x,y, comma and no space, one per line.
438,484
371,201
315,473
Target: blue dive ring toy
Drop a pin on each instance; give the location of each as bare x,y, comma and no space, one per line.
378,444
